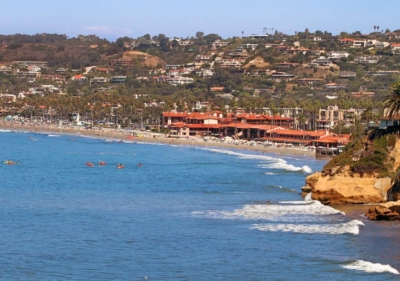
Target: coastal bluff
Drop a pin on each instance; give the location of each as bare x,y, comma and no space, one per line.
347,188
367,172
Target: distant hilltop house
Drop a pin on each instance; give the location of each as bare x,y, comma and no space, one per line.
219,44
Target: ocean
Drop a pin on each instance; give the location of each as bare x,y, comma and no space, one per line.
188,213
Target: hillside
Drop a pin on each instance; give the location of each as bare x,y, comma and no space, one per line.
145,59
32,51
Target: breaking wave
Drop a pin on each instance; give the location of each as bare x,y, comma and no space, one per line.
351,227
370,267
288,211
271,162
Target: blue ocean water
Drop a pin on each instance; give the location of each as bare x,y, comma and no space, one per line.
188,213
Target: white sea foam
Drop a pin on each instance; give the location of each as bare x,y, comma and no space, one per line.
271,162
269,173
351,227
288,211
283,165
370,267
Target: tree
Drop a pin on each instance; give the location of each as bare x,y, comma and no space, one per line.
392,101
210,38
163,42
175,43
199,34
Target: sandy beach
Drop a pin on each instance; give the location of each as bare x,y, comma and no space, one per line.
150,137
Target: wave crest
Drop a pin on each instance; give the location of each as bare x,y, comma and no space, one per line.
370,267
351,227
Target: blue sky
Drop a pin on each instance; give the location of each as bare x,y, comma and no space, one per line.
115,18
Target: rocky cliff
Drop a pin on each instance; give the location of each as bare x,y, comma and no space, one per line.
366,173
347,188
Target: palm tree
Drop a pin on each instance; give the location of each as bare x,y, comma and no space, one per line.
374,28
392,101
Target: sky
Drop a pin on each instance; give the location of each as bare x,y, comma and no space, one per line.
112,19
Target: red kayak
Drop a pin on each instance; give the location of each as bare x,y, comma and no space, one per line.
102,163
89,164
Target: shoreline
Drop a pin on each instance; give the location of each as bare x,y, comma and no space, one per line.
150,137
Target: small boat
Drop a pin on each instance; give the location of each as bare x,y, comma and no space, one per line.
10,162
89,164
102,163
120,166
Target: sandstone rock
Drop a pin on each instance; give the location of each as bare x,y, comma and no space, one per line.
387,211
346,188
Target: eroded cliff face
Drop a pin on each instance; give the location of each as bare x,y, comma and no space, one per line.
343,187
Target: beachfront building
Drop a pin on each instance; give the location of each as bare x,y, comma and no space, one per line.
259,127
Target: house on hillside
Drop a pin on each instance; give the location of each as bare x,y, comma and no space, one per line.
57,77
346,41
381,45
337,55
282,75
203,58
33,68
98,80
367,59
79,78
347,74
363,94
334,86
321,62
219,44
287,65
297,50
309,81
28,63
179,80
118,79
395,47
247,46
172,66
